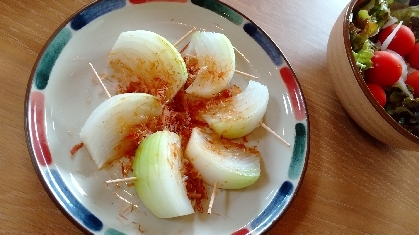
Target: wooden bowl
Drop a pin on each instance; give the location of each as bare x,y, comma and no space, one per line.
353,92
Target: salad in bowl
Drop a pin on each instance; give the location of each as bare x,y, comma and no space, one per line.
384,37
373,57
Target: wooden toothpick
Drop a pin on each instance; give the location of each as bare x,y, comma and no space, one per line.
100,80
275,134
245,74
212,197
185,36
122,180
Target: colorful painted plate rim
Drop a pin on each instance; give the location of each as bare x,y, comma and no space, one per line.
50,177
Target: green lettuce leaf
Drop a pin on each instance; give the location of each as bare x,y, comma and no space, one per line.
403,109
363,56
367,20
361,30
378,10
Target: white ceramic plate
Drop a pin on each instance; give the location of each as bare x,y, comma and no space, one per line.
62,93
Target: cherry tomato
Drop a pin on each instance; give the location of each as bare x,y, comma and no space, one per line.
386,69
402,42
378,93
413,56
413,81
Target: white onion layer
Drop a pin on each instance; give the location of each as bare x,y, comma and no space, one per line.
389,22
403,76
216,62
390,37
159,184
240,114
109,123
229,165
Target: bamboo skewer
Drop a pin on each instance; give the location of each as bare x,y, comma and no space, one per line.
129,179
100,80
245,74
185,36
212,197
275,134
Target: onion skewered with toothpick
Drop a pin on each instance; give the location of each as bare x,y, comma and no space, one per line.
239,104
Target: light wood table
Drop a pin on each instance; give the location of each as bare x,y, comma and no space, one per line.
353,184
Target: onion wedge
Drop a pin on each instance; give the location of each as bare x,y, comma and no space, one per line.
110,122
150,61
241,114
212,55
232,165
158,168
